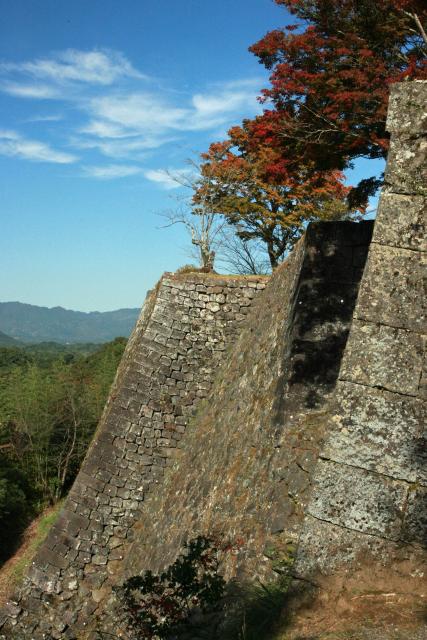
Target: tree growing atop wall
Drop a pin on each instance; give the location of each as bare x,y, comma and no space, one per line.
203,226
213,238
237,182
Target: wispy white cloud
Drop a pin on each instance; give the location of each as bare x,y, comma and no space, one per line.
225,99
99,67
127,125
138,112
135,147
145,112
122,119
111,172
105,129
14,145
38,91
152,120
168,179
54,117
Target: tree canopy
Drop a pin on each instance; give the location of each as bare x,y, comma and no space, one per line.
50,404
331,73
331,77
237,181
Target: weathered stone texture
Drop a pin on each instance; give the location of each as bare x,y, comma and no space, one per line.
370,482
407,109
244,469
402,222
326,548
414,529
407,165
357,499
172,356
402,304
385,433
281,440
406,170
398,362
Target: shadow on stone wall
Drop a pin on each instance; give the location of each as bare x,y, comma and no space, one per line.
323,309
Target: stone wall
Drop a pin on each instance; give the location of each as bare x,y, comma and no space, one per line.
243,473
369,500
183,332
294,436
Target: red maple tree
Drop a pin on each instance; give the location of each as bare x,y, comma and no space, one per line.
330,81
238,180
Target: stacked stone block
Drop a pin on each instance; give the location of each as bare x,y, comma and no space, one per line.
370,490
179,341
244,473
286,446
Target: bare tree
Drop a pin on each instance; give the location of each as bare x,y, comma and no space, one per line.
242,256
420,29
203,226
212,237
204,230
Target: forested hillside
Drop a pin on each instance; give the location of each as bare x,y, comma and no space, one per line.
51,398
31,323
6,340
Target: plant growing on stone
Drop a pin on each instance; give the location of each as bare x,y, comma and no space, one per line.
164,606
202,224
235,185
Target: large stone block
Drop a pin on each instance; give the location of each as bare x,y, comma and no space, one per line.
46,581
401,221
378,431
406,170
71,523
392,290
326,548
357,499
382,356
415,523
407,109
49,559
367,512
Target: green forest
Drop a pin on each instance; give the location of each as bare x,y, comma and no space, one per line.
51,399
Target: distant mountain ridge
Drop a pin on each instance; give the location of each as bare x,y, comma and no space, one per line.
31,323
7,341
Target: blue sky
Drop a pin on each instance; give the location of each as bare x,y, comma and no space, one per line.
97,99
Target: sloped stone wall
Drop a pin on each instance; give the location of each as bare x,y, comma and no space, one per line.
243,473
183,332
290,446
369,502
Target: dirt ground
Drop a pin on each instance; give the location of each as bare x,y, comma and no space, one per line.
373,603
12,571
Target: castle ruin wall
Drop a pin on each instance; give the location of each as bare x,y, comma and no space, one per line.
261,423
182,335
243,474
370,485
